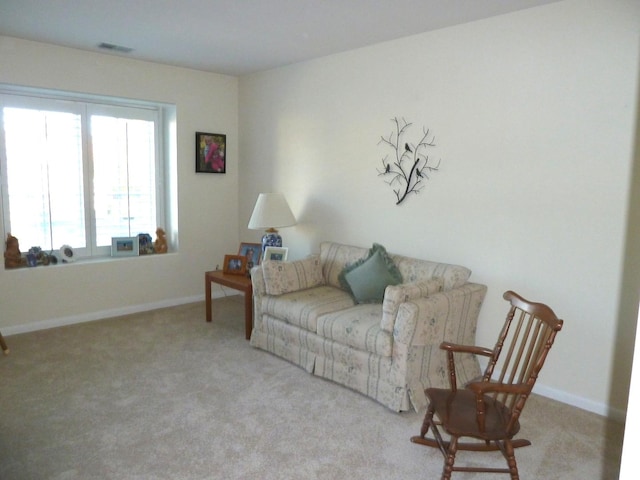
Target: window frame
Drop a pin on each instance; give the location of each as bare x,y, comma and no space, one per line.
162,115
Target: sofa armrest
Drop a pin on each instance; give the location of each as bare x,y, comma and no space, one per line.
445,316
257,282
395,295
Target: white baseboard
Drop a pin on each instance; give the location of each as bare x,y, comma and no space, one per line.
601,409
580,402
102,314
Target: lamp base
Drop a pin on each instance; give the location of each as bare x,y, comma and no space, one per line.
271,238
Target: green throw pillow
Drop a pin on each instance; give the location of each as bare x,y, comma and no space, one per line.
367,278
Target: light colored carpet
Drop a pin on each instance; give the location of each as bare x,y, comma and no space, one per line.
164,395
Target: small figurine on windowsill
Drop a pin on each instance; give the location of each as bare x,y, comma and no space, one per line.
145,243
12,256
160,245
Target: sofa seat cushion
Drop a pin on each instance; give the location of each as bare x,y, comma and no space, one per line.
303,307
357,327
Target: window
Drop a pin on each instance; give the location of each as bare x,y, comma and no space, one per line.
79,171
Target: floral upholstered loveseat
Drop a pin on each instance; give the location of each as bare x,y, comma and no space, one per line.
382,340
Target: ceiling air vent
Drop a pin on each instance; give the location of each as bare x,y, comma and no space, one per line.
114,48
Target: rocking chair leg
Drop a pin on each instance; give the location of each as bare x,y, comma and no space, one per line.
427,421
451,458
511,460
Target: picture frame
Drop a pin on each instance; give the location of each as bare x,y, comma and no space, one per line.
235,265
276,253
211,152
252,252
125,247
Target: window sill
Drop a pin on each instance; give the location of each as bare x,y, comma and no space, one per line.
86,261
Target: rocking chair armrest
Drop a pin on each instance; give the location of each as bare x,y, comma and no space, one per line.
452,348
456,348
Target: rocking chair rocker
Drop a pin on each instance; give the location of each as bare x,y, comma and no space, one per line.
488,410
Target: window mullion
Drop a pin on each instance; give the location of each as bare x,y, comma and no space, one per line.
160,172
128,179
4,187
87,162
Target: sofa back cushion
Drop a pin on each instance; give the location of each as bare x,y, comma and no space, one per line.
414,270
367,278
284,277
335,256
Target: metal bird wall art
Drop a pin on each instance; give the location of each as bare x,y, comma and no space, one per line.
408,166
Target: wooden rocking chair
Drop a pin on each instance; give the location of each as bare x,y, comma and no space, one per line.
488,410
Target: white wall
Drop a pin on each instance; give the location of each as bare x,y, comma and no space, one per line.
533,114
207,204
630,463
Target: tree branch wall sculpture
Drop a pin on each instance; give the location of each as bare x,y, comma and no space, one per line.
409,164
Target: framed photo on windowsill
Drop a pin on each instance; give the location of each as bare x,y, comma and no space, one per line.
276,253
211,152
235,264
125,247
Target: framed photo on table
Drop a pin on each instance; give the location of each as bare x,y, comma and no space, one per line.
235,264
211,152
252,251
276,253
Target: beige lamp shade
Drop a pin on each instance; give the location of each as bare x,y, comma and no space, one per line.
271,211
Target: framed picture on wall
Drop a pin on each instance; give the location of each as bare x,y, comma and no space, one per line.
211,152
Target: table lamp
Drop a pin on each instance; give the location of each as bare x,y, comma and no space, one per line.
271,211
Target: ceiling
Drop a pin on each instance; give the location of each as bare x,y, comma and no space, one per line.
237,37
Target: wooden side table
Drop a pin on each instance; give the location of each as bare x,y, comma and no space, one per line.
237,282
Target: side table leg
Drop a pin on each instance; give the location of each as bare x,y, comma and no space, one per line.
207,296
3,345
248,314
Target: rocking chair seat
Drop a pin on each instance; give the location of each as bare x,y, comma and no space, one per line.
457,410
